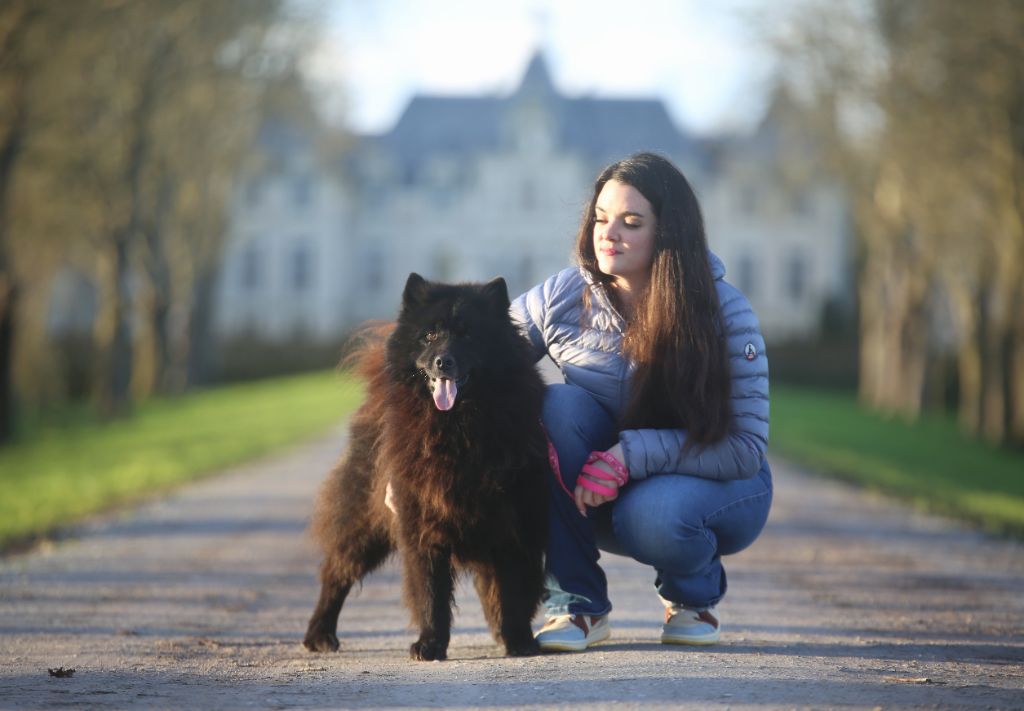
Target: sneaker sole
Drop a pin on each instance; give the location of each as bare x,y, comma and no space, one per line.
691,641
575,646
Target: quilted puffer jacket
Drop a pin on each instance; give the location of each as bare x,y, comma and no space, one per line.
590,356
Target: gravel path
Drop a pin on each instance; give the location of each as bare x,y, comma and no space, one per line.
200,601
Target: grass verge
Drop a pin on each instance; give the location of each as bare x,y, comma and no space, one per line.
64,473
928,462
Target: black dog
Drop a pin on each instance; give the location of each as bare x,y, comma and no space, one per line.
452,420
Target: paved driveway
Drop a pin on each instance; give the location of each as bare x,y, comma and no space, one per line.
200,601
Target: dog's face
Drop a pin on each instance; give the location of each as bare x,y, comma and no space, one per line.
448,335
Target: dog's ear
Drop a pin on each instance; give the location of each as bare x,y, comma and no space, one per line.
415,289
497,292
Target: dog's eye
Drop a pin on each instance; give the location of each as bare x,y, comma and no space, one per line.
430,336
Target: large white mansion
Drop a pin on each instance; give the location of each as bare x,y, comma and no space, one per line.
466,188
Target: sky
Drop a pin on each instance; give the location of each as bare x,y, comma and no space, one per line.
702,57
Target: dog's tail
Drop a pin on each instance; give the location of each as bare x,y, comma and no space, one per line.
364,350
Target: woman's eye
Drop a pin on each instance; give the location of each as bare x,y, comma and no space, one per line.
634,225
600,220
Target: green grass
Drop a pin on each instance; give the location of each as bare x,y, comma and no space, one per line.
65,472
928,462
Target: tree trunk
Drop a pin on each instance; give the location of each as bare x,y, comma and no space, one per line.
1015,355
9,152
1015,384
115,377
160,317
894,332
1013,363
8,311
871,376
965,312
117,381
914,354
159,271
198,350
993,393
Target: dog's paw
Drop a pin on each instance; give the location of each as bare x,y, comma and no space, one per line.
321,641
523,648
428,650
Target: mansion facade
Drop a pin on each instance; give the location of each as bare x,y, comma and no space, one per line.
467,188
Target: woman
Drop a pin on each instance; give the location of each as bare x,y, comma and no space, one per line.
661,427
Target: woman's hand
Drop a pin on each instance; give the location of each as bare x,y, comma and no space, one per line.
585,497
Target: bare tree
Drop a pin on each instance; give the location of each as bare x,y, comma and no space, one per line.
213,80
16,20
921,103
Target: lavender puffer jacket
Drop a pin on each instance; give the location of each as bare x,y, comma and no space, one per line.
551,316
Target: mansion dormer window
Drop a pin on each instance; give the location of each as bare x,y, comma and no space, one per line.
253,191
748,200
802,204
302,190
301,268
374,271
251,268
529,195
796,276
745,279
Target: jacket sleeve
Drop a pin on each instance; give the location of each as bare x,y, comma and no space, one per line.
740,454
528,313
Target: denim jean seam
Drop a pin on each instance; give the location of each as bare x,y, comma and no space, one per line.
696,532
731,504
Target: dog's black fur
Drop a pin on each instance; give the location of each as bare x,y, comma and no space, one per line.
467,481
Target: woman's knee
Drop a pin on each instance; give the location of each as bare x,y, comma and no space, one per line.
572,415
654,529
679,549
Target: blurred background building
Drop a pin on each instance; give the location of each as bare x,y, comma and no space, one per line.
193,192
468,187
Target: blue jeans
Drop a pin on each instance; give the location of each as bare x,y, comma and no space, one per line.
680,525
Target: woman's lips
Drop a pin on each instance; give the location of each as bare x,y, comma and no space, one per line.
608,252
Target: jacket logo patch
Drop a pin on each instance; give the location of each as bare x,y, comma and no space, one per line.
749,351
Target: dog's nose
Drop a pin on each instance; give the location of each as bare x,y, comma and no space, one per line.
444,363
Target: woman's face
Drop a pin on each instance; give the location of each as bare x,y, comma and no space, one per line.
624,229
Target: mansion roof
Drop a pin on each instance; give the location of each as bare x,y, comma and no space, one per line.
599,130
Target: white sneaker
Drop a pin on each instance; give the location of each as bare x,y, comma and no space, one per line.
686,625
573,633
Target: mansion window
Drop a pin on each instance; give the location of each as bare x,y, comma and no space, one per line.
748,200
253,191
796,276
526,269
301,268
529,196
443,266
374,271
302,190
252,268
802,204
745,279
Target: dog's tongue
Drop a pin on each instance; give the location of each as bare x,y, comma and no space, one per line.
444,393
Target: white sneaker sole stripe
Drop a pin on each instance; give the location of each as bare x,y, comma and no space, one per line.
579,646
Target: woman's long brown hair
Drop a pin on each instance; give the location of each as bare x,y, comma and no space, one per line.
675,335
